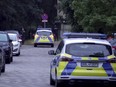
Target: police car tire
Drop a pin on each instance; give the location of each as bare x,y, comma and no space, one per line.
35,45
52,82
57,84
52,45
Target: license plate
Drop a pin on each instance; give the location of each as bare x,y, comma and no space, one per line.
89,64
44,37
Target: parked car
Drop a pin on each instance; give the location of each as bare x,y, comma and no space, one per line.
2,60
16,32
44,37
7,45
82,59
16,43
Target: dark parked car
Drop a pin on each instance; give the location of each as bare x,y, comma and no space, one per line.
2,60
7,45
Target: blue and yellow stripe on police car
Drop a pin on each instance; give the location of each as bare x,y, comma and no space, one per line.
71,68
39,39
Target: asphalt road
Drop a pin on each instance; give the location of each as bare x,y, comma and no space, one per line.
30,69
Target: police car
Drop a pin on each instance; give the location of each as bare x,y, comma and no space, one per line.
44,37
82,59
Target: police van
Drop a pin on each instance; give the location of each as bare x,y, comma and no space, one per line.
44,36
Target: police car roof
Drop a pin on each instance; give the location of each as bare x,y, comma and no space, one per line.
86,40
83,35
44,30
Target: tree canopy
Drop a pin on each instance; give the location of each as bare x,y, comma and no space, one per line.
93,15
19,13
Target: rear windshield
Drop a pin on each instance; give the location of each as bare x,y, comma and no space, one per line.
44,33
3,37
88,50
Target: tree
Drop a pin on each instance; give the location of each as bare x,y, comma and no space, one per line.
19,13
92,15
95,14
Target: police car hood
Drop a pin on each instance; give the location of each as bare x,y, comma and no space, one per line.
3,43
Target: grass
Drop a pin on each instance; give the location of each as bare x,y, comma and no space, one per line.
29,42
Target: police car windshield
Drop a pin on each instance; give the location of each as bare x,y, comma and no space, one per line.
44,33
88,50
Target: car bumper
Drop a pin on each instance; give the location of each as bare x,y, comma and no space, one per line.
82,78
16,50
43,43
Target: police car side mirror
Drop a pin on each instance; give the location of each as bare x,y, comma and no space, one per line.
51,52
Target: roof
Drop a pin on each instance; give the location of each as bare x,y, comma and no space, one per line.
44,30
84,35
3,32
12,34
86,40
12,31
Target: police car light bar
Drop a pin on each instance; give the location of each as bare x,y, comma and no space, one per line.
44,28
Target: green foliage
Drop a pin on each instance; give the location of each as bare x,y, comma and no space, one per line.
19,13
94,15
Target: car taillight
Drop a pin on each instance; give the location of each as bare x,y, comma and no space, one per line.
113,60
66,59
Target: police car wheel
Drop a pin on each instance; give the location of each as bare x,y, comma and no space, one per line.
52,45
57,84
35,45
52,82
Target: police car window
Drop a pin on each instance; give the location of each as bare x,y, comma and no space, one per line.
44,33
59,48
88,50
